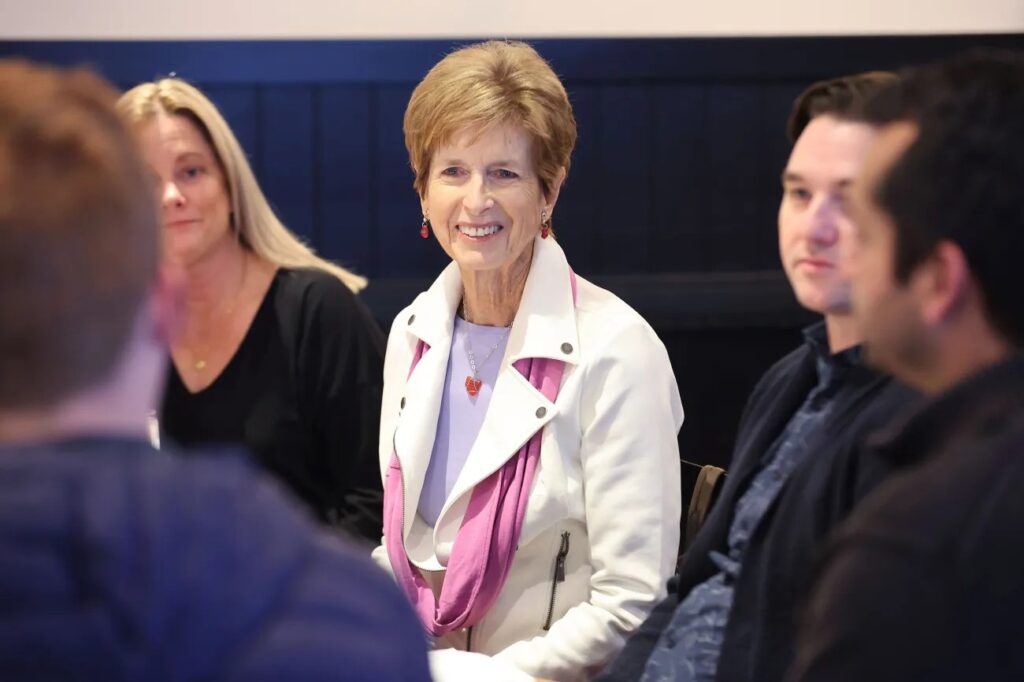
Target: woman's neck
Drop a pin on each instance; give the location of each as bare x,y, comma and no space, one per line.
491,297
213,283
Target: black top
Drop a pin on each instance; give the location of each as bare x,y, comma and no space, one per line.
303,394
760,636
926,580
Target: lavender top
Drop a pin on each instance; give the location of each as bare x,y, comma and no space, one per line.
461,415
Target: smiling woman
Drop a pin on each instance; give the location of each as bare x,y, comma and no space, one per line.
483,200
528,429
274,353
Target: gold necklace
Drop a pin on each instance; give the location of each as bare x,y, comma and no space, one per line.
198,363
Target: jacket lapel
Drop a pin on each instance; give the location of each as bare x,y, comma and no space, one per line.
517,411
863,384
431,321
766,427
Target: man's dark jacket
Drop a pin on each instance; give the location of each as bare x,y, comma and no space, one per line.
925,580
778,563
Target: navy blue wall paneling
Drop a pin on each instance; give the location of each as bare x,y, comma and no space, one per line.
345,166
624,193
401,252
680,179
738,169
286,164
681,141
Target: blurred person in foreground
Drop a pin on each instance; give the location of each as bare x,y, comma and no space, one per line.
118,562
530,418
926,579
276,353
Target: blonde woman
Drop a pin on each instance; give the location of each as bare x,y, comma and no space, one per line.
528,432
275,351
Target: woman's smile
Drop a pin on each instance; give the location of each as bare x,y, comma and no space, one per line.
479,231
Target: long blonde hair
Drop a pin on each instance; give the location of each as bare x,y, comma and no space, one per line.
254,221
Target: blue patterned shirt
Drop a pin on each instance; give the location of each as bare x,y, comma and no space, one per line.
689,647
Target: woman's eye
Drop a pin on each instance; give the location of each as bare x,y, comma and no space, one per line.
191,171
506,174
800,194
451,171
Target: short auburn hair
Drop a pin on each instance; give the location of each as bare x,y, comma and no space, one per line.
843,98
80,233
487,84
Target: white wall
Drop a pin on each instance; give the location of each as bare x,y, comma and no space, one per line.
170,19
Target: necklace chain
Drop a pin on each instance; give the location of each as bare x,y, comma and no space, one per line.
472,358
198,359
473,381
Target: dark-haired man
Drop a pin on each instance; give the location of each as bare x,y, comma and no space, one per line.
796,471
118,562
926,579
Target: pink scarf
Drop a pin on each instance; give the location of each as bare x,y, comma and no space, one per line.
483,550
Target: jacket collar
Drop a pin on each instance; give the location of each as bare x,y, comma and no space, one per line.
544,325
978,404
858,385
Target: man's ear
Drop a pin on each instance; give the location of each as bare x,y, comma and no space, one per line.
167,303
943,283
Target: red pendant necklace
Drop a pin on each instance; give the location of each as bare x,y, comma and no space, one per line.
473,381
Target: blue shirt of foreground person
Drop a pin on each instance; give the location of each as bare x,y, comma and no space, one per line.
119,562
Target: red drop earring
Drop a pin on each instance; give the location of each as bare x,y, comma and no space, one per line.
425,228
545,225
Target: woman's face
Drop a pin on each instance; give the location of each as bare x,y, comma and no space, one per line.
484,198
191,189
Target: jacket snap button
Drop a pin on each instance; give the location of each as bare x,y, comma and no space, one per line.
541,411
412,318
402,404
566,348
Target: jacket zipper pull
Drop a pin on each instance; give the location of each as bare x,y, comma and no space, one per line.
563,551
559,577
